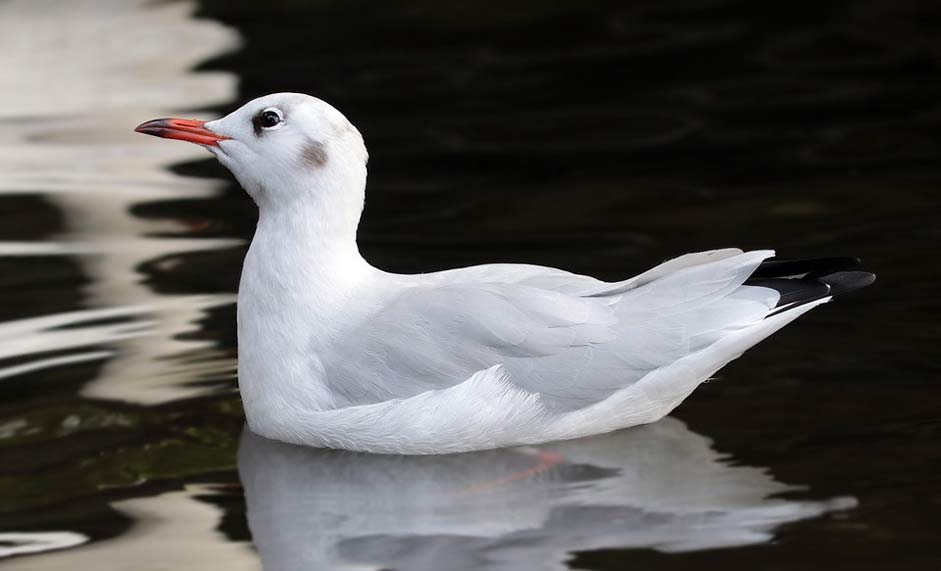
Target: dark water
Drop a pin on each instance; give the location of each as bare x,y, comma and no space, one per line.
601,137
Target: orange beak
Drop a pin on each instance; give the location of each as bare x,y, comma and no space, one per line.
189,130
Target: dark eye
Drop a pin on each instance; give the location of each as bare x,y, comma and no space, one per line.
269,118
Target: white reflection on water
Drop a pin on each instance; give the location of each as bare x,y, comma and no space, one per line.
78,75
171,531
659,486
37,542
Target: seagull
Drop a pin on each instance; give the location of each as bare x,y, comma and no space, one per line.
333,352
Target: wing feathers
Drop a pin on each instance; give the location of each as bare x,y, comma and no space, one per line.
574,344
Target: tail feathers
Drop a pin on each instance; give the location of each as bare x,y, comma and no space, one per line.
804,281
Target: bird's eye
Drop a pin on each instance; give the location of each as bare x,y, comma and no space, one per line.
270,118
267,119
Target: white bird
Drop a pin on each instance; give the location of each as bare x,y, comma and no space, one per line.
334,352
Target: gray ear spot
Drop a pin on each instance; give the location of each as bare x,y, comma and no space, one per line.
314,154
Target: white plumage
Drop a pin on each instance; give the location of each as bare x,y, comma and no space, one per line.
334,352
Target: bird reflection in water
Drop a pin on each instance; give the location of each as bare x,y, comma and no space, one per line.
659,486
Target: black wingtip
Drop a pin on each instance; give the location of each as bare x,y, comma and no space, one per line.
804,281
793,291
844,282
844,264
809,268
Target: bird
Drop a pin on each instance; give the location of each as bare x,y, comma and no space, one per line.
336,353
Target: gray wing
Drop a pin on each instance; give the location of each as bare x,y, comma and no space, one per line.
571,339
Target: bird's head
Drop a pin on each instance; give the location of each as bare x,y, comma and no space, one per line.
279,147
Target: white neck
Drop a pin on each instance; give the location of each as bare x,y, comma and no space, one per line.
297,251
305,242
302,268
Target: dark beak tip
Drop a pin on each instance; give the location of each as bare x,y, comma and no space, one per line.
152,127
189,130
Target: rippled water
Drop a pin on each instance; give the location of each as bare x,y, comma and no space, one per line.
592,136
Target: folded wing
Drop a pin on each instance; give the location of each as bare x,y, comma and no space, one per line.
570,339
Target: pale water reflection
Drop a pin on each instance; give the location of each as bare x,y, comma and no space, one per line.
171,531
77,76
659,486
